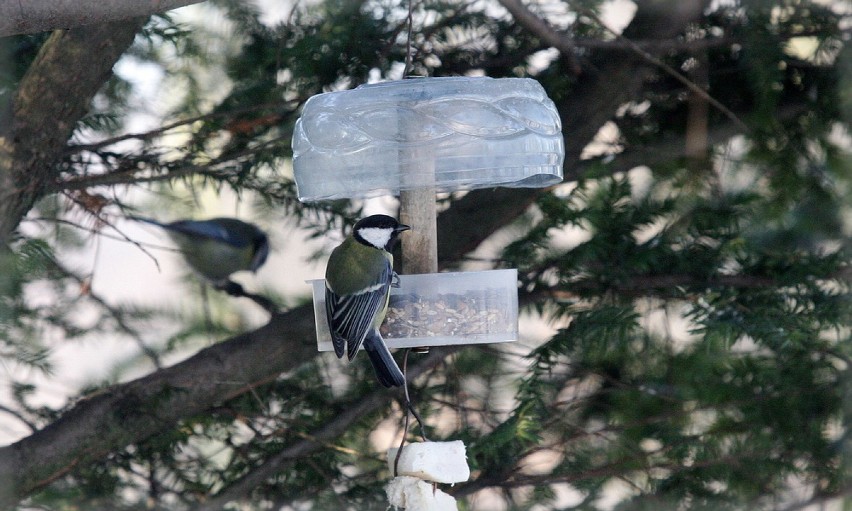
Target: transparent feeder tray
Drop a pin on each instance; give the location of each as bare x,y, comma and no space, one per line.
439,309
447,134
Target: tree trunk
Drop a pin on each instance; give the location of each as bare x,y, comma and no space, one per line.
53,95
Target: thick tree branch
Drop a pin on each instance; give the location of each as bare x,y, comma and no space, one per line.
689,84
543,31
53,95
31,16
133,411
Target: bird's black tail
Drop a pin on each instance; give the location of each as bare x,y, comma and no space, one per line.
387,371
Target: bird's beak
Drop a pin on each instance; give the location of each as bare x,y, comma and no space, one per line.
402,227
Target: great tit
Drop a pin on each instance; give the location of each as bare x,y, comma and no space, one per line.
358,279
217,247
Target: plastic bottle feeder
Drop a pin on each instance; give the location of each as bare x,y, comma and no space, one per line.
422,136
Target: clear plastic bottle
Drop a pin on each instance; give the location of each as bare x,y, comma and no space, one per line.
455,133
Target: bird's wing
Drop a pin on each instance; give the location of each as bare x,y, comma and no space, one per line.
351,316
207,229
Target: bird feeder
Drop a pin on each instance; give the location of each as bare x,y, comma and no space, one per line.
414,138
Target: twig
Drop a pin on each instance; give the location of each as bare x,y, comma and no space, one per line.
409,20
692,86
328,445
543,30
117,314
168,127
92,230
102,219
17,415
167,172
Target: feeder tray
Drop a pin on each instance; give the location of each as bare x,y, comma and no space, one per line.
437,309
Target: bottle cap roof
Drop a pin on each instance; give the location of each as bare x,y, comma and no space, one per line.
456,133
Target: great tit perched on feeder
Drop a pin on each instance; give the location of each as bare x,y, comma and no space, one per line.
358,279
217,247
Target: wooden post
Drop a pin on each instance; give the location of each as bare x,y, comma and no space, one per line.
418,210
417,200
420,244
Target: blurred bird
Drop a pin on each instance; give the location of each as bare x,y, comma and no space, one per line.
217,247
358,279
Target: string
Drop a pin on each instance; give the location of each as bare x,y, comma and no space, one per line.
409,408
407,68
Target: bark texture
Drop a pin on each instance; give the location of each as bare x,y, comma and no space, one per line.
31,16
130,412
52,97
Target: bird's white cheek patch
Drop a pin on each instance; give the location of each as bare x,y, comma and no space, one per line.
376,236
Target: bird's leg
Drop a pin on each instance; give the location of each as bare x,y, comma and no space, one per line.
205,304
395,280
235,289
230,287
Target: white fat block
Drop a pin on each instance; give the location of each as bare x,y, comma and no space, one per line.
412,494
441,462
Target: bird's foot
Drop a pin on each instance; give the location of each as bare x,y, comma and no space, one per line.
235,289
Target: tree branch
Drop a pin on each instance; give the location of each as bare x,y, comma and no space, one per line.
648,285
133,411
33,16
53,95
130,412
543,31
689,84
515,479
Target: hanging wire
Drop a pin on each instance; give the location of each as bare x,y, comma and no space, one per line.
410,19
408,404
409,408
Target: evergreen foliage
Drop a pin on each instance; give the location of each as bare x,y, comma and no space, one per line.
700,348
